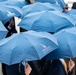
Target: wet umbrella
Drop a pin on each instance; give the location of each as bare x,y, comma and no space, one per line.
38,7
67,44
3,31
27,46
50,21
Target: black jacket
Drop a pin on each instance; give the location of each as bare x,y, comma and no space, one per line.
39,67
57,68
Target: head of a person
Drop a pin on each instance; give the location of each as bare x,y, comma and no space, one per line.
65,9
31,1
28,1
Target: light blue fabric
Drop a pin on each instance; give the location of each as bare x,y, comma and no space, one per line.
12,10
72,12
67,44
7,12
60,2
49,21
3,31
38,7
2,0
27,46
50,1
17,3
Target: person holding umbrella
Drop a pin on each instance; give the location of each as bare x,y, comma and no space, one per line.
38,67
59,67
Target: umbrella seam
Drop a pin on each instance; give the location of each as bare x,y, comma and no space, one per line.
31,44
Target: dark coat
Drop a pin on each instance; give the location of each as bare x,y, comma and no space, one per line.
13,69
39,67
57,68
22,30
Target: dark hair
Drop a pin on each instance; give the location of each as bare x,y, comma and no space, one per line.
74,5
28,1
66,7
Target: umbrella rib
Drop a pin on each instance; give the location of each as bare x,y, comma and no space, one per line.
13,48
68,44
31,44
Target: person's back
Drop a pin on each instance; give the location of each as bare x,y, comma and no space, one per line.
59,67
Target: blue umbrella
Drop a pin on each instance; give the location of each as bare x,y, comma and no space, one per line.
7,12
60,2
4,14
72,12
17,3
2,0
50,21
50,1
12,9
27,46
67,44
3,31
38,7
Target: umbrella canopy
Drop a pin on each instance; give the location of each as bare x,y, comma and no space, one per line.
67,44
38,7
26,46
50,21
50,1
2,0
60,2
12,9
3,31
7,12
72,12
17,3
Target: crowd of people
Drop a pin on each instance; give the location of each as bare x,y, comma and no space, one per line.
38,67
